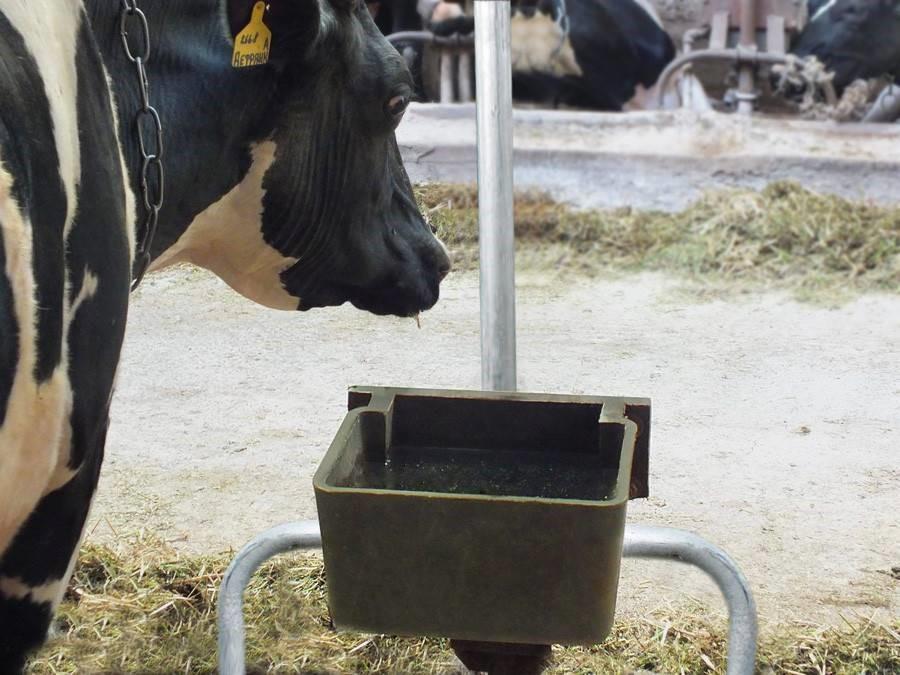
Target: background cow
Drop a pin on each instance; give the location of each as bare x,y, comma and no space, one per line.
283,179
601,55
855,39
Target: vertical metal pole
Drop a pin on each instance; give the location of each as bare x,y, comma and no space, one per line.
746,71
464,77
447,59
493,84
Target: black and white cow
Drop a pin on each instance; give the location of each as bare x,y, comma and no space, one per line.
610,58
614,52
855,39
283,179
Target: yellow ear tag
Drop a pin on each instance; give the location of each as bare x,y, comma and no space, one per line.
251,46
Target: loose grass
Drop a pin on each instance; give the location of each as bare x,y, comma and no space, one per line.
143,608
784,235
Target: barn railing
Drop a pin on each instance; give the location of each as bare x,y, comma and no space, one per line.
455,61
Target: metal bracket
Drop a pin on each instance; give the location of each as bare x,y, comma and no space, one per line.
641,541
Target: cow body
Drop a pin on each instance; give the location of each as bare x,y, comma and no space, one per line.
854,39
603,55
284,179
67,240
610,59
612,51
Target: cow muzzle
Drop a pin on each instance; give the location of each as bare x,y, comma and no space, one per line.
404,280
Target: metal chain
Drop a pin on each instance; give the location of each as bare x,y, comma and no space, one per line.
148,128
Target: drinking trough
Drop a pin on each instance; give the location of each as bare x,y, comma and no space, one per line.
495,519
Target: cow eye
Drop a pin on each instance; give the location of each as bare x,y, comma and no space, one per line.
397,106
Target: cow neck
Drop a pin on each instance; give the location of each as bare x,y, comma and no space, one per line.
211,113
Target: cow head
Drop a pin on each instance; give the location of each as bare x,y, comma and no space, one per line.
325,213
854,38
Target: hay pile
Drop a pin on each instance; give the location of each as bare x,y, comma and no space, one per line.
144,608
784,235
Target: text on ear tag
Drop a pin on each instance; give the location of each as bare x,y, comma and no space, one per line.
251,46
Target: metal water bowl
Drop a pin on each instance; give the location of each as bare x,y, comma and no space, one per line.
479,516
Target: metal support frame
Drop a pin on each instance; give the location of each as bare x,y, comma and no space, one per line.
493,102
666,543
279,539
739,56
746,94
775,17
455,61
887,107
641,541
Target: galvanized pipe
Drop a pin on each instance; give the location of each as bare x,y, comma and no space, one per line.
737,55
464,75
447,60
426,37
887,107
493,83
746,71
409,55
642,541
280,539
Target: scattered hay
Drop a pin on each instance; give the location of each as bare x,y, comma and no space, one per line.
784,234
145,608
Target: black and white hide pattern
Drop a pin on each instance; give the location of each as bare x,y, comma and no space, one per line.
610,59
66,219
283,179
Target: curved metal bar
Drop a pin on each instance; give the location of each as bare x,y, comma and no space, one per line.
280,539
887,107
739,56
427,37
642,541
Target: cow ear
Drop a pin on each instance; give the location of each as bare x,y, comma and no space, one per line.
294,24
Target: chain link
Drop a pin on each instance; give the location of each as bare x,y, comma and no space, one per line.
148,128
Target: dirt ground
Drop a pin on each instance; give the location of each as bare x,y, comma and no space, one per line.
775,428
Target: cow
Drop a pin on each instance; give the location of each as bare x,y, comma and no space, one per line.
597,54
283,178
854,39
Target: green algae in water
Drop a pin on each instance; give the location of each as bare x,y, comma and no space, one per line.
547,475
